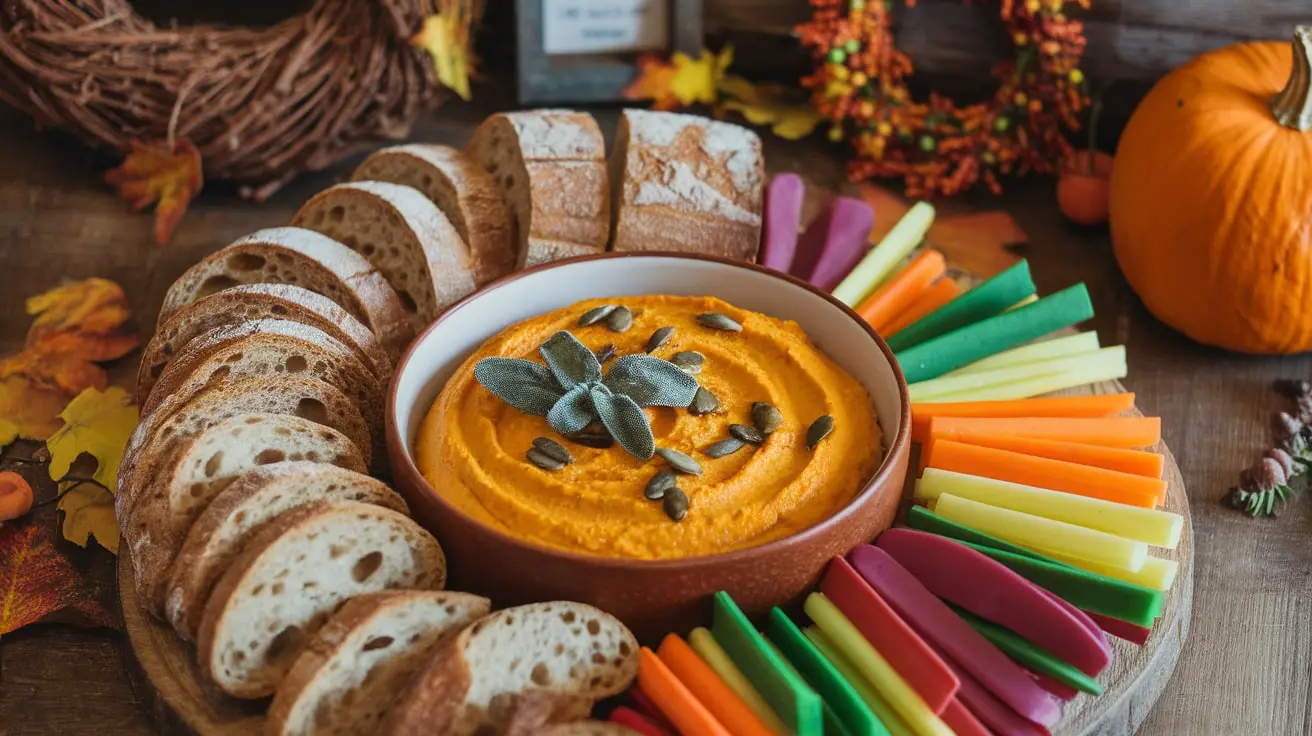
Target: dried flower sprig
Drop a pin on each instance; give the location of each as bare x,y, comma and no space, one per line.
1267,483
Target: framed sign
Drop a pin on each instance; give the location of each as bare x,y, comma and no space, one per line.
585,50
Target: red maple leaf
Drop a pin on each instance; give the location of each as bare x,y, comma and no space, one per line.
37,580
155,173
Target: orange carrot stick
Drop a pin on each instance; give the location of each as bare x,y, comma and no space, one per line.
1057,475
939,293
709,689
1127,432
894,297
1136,462
676,703
1101,405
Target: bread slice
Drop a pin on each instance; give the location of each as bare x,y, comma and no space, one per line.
293,255
551,168
588,728
465,193
348,676
248,302
566,651
686,183
404,235
238,512
283,588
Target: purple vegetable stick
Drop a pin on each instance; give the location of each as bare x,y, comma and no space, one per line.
833,243
940,625
992,712
783,219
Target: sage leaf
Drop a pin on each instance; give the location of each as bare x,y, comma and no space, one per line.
651,381
525,385
626,422
569,360
572,412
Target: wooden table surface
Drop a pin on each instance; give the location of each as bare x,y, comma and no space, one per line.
1247,667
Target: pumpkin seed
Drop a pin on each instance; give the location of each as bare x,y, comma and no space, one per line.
619,320
691,370
688,357
717,321
601,440
659,484
751,435
659,338
724,447
543,460
703,402
553,450
766,417
604,353
675,504
679,461
596,314
819,430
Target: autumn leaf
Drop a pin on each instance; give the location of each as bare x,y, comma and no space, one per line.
697,80
37,580
27,410
769,105
445,36
653,83
99,425
154,173
85,317
15,495
89,512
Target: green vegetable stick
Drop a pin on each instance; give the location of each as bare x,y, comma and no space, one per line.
989,298
1027,654
879,263
880,707
933,358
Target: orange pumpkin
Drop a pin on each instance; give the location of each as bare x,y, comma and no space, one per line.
1211,198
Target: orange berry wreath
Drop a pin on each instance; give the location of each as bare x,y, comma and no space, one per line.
938,147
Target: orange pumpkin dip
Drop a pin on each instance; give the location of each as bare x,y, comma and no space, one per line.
472,445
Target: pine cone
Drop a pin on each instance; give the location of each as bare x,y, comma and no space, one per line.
1292,388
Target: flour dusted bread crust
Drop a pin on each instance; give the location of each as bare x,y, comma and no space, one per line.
245,505
541,662
462,190
404,235
284,587
688,184
293,255
363,658
588,728
551,168
248,302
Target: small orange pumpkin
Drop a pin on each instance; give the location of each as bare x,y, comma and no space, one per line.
1084,187
1211,198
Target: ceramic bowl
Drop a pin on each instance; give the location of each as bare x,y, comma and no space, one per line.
652,597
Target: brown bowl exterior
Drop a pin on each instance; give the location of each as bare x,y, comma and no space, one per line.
652,597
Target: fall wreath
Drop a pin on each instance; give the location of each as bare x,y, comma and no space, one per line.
255,105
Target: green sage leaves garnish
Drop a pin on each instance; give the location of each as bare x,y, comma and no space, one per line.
570,362
651,381
523,384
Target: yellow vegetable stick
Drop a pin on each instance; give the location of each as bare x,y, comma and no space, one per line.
889,717
1060,347
1091,372
1023,302
1043,535
879,263
870,663
1157,573
983,380
1159,528
719,661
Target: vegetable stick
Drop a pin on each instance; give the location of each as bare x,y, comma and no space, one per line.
1057,347
1044,535
1122,630
1157,573
939,293
702,642
932,358
1126,432
1030,655
1060,689
962,721
676,703
640,703
889,717
782,221
1158,528
874,667
635,721
1046,473
902,289
989,298
1023,302
1030,387
833,242
884,257
1104,360
709,689
1137,462
992,712
1098,405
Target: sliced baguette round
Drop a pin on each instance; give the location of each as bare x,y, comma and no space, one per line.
293,255
248,302
348,676
283,588
237,513
569,652
404,235
588,728
465,193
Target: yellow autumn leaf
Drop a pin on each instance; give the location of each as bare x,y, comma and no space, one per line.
8,431
89,512
697,80
445,36
98,424
769,105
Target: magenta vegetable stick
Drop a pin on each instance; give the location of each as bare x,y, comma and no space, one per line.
1059,689
992,712
783,220
1088,623
833,243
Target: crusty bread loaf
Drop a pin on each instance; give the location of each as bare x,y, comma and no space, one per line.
465,193
295,573
348,676
569,652
248,302
404,235
589,728
237,513
551,168
686,183
293,255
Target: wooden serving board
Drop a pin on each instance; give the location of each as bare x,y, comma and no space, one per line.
182,701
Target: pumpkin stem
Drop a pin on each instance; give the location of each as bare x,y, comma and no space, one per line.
1292,106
